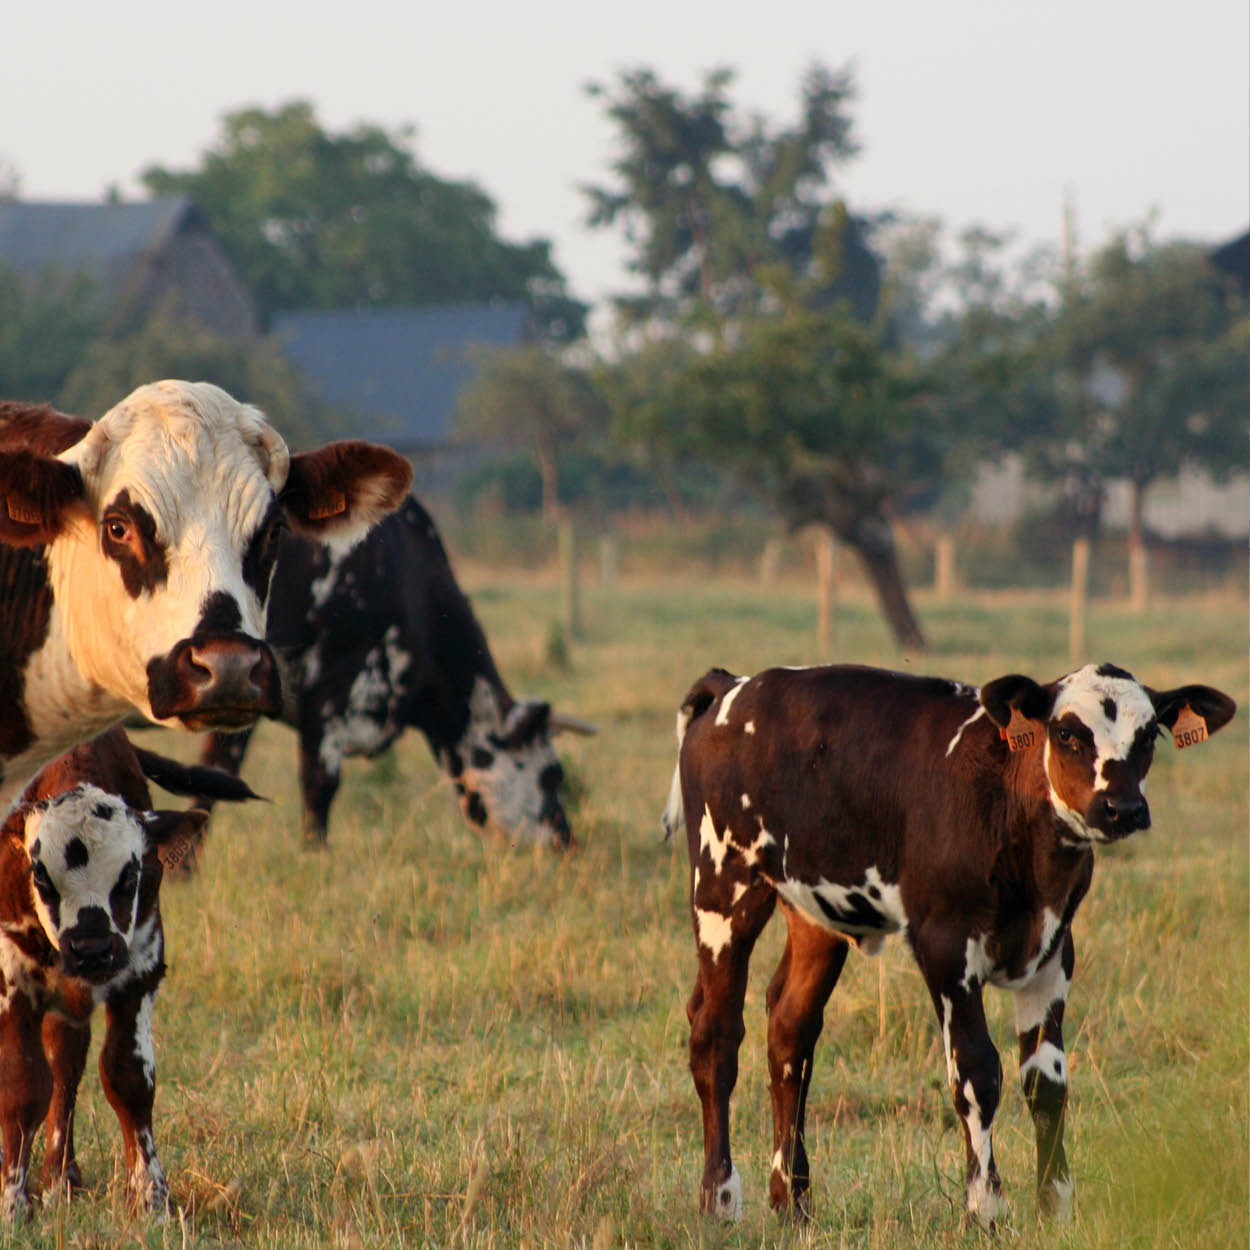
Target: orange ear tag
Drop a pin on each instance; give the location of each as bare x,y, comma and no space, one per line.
1019,733
1189,729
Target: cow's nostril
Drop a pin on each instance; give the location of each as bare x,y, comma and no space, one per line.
196,666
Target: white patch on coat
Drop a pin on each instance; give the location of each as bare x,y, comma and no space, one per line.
1033,1000
749,727
1049,1062
983,1203
145,1051
16,966
779,1165
884,897
952,1069
746,802
727,1201
714,930
727,699
711,842
959,733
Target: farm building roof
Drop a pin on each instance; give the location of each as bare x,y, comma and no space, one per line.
397,371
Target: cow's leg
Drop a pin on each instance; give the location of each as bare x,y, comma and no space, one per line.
797,995
976,1077
725,930
25,1089
320,766
1044,1074
65,1043
128,1074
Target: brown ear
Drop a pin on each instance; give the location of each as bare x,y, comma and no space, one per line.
1214,706
37,495
174,834
999,696
342,490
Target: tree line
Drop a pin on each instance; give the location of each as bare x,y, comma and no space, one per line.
834,366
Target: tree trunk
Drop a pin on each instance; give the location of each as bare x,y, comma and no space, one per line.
545,459
1138,572
872,540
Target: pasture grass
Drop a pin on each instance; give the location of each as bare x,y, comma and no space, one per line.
418,1039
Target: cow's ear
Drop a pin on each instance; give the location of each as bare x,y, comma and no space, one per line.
999,696
1214,706
37,495
339,492
173,834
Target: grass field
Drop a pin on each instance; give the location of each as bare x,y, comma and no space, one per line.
420,1040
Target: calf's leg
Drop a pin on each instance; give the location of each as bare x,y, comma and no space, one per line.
65,1043
319,773
800,988
128,1074
725,934
25,1088
1044,1075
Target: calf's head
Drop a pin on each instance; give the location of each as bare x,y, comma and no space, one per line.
87,850
1096,729
506,771
162,524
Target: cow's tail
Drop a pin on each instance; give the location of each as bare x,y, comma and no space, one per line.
702,695
192,780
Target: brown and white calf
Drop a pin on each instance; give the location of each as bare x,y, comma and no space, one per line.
80,924
870,803
136,555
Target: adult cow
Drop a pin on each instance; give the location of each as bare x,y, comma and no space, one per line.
382,638
135,557
873,803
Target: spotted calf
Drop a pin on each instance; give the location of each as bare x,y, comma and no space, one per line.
869,803
81,859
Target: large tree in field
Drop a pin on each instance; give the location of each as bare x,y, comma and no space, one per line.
319,220
755,271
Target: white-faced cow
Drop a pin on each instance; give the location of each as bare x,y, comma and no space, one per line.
135,557
80,924
872,803
383,638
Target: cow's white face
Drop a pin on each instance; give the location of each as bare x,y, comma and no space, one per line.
181,485
86,849
162,525
506,771
1099,726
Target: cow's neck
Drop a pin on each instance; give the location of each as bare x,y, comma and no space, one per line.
60,706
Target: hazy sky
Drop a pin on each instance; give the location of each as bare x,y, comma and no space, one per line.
972,110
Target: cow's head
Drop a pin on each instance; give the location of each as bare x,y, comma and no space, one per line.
506,772
87,852
1096,731
162,524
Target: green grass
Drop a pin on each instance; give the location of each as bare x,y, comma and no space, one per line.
419,1039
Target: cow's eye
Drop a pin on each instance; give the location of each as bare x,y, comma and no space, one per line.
117,529
43,883
1067,738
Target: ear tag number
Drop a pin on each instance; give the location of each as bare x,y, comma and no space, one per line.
1189,729
1019,733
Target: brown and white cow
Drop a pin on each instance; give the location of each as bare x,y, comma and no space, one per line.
80,924
872,803
135,559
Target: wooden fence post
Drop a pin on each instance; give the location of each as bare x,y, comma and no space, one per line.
1080,594
609,560
944,567
1138,576
571,591
770,561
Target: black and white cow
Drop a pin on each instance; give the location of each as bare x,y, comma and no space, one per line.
135,556
870,803
80,925
382,638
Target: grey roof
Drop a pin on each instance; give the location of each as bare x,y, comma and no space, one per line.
397,371
103,240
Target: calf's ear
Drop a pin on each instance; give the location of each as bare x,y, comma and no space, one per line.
340,491
999,696
37,496
1214,706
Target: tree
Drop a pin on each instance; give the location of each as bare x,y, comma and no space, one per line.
525,398
318,220
168,345
44,333
1152,343
762,289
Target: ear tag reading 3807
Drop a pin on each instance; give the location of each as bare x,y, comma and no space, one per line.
1019,733
1189,728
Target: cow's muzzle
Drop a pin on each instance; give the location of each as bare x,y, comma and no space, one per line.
1115,816
218,683
93,957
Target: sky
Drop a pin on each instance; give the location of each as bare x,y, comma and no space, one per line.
974,111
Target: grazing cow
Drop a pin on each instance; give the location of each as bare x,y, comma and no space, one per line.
383,638
135,557
80,924
874,803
